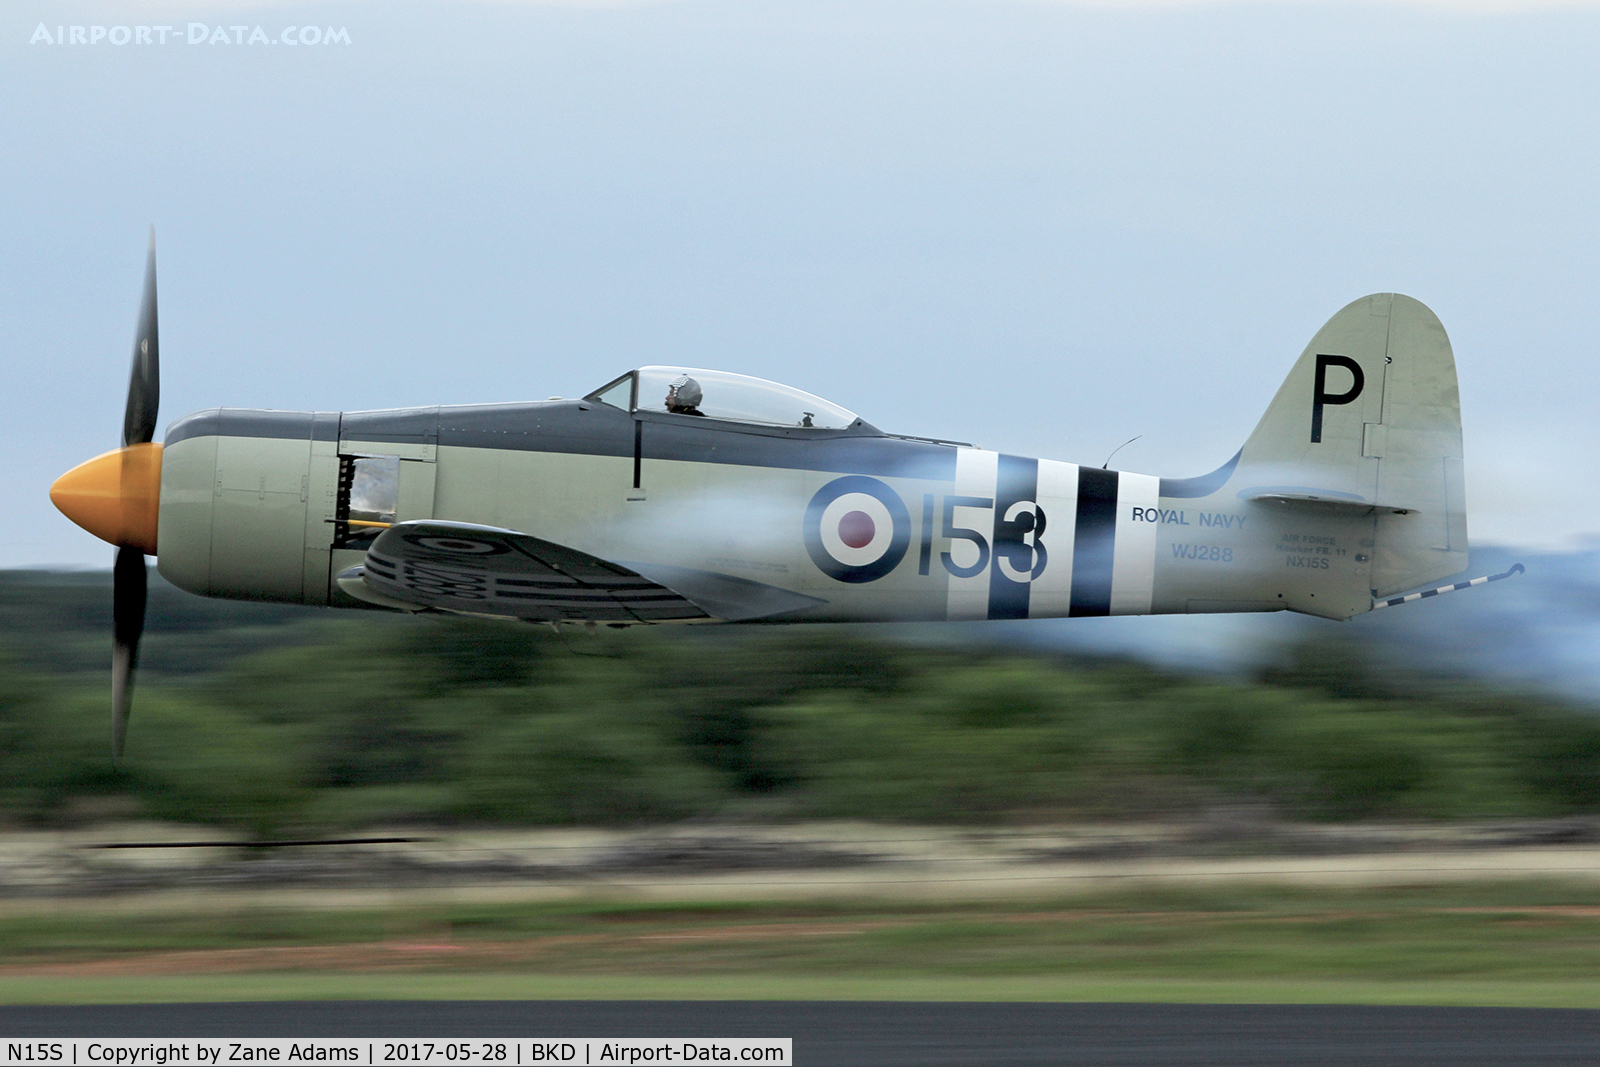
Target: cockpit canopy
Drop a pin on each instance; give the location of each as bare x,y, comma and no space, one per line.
731,397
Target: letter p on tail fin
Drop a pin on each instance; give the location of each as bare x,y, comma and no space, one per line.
1371,415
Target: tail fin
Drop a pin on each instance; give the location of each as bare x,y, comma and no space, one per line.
1371,415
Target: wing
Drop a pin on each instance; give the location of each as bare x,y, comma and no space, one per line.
481,570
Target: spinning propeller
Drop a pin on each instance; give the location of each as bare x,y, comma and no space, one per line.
117,497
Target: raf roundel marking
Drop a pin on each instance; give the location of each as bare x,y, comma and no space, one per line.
459,546
857,529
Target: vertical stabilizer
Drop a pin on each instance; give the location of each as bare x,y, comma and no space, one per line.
1371,415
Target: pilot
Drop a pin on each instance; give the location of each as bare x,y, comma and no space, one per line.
684,396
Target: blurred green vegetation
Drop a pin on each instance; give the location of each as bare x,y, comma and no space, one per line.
278,721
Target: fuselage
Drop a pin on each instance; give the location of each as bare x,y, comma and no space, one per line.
274,505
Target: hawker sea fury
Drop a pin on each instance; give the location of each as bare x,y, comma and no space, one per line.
674,494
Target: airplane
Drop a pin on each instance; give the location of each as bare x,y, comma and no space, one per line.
686,495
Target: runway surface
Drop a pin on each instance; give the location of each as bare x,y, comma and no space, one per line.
893,1034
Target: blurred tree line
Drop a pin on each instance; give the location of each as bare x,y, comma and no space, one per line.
280,720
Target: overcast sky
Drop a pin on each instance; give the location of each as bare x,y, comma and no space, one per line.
1043,227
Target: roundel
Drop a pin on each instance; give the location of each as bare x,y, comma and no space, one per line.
460,546
857,529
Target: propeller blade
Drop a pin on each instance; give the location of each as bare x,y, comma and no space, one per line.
129,581
129,589
144,384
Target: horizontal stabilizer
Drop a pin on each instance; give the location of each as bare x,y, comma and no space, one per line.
1319,500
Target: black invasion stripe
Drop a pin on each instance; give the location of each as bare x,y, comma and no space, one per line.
1016,481
1094,542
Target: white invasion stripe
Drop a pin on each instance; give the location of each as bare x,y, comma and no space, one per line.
976,473
1057,497
1133,566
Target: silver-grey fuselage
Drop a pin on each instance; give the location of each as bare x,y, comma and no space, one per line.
863,525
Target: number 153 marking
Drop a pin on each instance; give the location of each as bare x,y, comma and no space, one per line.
1017,547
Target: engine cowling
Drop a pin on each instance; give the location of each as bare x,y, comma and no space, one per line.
248,502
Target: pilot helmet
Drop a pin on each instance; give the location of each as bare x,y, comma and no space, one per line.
687,391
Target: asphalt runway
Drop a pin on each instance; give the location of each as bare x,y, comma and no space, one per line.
892,1034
